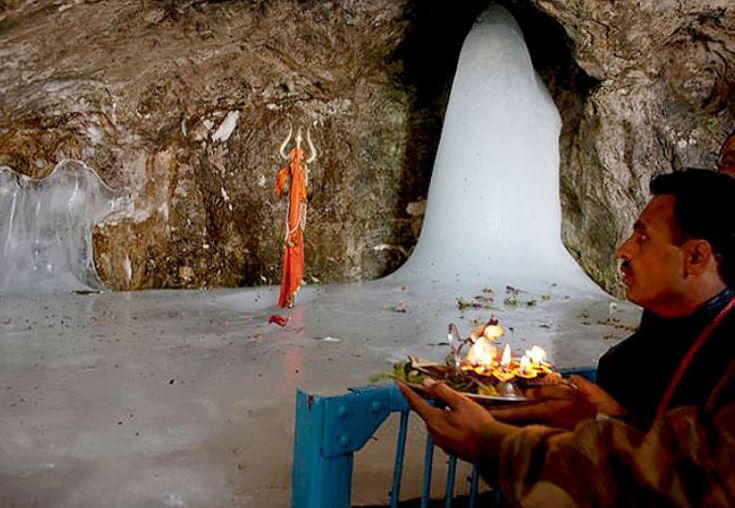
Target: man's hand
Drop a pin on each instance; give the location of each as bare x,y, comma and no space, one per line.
463,428
562,405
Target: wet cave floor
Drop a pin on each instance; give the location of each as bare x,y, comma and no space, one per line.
186,398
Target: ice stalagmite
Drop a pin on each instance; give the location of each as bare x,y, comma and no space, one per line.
46,227
493,208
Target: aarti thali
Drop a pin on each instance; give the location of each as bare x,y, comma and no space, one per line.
478,367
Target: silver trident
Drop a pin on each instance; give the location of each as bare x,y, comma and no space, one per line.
299,139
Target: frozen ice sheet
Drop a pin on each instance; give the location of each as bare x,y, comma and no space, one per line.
185,398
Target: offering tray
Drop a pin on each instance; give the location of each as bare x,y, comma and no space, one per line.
476,387
476,368
480,399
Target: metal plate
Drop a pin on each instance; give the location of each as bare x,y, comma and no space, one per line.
481,399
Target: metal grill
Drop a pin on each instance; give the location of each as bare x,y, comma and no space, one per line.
329,430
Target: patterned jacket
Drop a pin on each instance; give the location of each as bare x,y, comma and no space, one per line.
686,459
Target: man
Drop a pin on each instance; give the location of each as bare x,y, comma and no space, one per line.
685,460
677,264
726,160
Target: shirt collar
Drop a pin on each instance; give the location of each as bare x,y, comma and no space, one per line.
706,311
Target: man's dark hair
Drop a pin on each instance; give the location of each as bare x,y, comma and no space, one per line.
704,206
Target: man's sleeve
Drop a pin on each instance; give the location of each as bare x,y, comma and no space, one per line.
686,459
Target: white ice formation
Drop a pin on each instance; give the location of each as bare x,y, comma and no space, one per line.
46,228
493,209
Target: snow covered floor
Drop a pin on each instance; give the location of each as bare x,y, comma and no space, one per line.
178,398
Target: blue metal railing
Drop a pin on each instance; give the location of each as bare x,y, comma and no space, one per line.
428,463
329,430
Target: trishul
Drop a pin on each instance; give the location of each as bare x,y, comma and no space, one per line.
298,172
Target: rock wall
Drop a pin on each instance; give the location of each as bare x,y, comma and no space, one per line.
653,91
140,94
143,92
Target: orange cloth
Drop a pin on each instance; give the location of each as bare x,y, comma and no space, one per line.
293,256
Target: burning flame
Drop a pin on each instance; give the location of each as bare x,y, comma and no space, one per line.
526,369
482,353
484,358
536,355
505,360
525,363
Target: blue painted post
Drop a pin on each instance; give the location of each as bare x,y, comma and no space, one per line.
451,473
328,430
498,501
474,485
428,463
398,468
317,481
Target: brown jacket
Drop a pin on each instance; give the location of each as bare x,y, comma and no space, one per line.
686,459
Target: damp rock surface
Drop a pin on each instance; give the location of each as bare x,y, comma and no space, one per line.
651,91
184,105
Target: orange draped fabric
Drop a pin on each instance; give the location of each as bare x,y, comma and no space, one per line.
293,256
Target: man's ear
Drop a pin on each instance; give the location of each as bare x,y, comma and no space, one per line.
698,256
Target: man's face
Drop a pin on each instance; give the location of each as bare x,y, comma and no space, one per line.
726,162
652,264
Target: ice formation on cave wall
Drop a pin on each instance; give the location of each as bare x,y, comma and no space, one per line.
46,228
